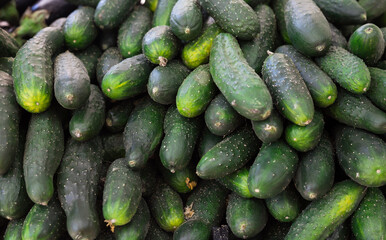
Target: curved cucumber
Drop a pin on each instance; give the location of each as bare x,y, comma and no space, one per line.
109,14
108,59
118,115
377,91
186,20
270,129
162,12
237,182
13,231
285,206
193,229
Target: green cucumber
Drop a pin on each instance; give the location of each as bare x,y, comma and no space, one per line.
381,64
72,82
207,141
186,20
278,8
237,81
89,57
108,59
369,220
87,121
162,12
113,146
285,206
289,92
270,129
33,72
132,31
321,217
78,179
195,92
8,44
362,156
193,229
245,217
127,78
107,38
273,169
229,155
182,181
13,231
181,135
79,29
121,194
342,12
156,233
377,91
321,87
6,64
237,182
109,14
220,118
337,37
164,82
118,115
374,8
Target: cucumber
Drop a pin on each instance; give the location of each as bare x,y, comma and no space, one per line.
289,92
79,29
181,135
193,229
107,38
43,153
357,111
237,81
229,155
113,146
121,194
270,129
6,64
8,44
143,132
197,51
72,82
9,119
167,208
374,8
44,222
381,64
33,72
87,121
89,57
91,3
164,82
245,217
377,91
285,206
186,20
321,217
109,14
237,182
235,17
195,92
13,231
369,220
160,45
362,156
342,12
156,233
207,141
273,169
220,118
278,8
118,115
315,174
349,71
127,78
108,59
182,181
162,12
337,37
342,232
78,179
321,87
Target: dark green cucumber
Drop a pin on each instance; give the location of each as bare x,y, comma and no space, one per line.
13,231
143,132
181,135
270,129
357,111
6,64
362,156
289,92
245,217
255,51
195,92
321,87
164,82
44,149
235,17
193,229
87,121
369,220
273,169
118,115
107,38
237,81
9,119
237,182
78,179
220,118
342,12
138,227
132,31
207,141
197,52
79,29
127,78
182,181
322,216
121,194
89,57
113,146
377,91
278,8
374,8
109,14
229,155
348,70
8,44
342,232
337,38
160,45
167,208
186,20
91,3
285,206
44,222
108,59
33,71
162,12
315,174
155,232
72,82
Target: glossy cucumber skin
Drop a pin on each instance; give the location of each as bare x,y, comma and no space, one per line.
186,20
13,231
207,141
8,44
342,12
108,59
377,91
237,182
285,206
192,229
270,129
183,180
162,12
89,57
118,115
109,14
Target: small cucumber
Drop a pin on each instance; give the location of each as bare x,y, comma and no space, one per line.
8,44
237,182
113,146
108,59
285,206
109,14
89,57
342,12
6,64
186,20
377,91
182,181
270,129
118,115
278,8
192,229
162,12
374,8
13,231
207,141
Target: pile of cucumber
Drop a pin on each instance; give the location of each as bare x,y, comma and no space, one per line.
195,120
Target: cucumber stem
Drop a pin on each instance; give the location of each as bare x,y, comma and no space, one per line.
110,223
162,61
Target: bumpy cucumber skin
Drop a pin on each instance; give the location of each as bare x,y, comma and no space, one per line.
237,182
322,216
377,91
193,229
108,59
195,92
270,129
207,141
33,72
8,44
89,57
237,81
13,231
289,92
186,20
285,206
109,14
6,64
278,7
183,180
337,38
162,12
374,8
342,12
118,115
